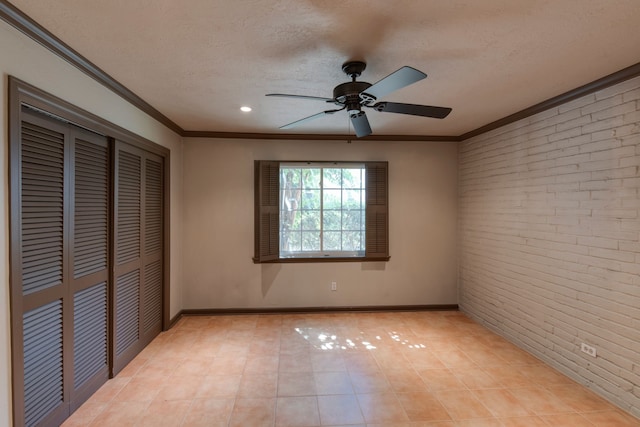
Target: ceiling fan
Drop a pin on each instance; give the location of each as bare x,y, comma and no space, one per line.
354,95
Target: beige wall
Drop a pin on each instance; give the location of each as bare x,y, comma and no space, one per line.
549,237
218,229
28,61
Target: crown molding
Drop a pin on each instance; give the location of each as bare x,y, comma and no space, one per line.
28,26
602,83
32,29
317,137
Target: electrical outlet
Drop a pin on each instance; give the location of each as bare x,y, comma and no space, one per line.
334,286
586,348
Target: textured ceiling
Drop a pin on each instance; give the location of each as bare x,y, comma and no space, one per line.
198,61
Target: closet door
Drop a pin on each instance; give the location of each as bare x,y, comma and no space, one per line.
59,267
39,270
153,247
89,242
138,247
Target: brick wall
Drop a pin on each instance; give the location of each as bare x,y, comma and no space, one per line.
549,237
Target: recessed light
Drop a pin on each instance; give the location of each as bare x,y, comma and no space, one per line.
245,109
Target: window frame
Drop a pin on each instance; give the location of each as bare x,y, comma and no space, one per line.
323,210
267,211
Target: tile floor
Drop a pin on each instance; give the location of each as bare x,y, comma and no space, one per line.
357,369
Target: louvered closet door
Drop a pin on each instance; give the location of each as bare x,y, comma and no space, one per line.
153,244
59,294
138,271
40,271
89,264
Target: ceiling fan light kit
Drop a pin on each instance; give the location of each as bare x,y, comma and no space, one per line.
354,95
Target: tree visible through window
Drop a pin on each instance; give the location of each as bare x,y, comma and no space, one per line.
322,210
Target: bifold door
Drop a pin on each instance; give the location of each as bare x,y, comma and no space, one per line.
60,241
86,263
138,251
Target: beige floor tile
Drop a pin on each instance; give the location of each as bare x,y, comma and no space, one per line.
479,422
508,376
140,389
165,413
133,367
381,408
405,380
484,356
513,355
206,347
580,398
540,401
109,390
268,321
227,364
209,412
259,385
258,364
435,424
613,418
193,366
301,411
361,362
454,359
546,376
85,414
296,384
477,378
261,347
173,350
369,382
422,359
253,412
180,387
159,368
423,407
339,409
413,369
234,349
414,424
331,361
121,414
462,404
219,386
565,420
391,360
266,333
333,383
295,363
442,379
194,322
531,421
501,403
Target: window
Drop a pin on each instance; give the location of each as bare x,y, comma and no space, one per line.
312,211
322,210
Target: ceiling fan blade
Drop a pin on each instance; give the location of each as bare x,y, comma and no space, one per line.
394,81
360,124
286,95
308,119
413,109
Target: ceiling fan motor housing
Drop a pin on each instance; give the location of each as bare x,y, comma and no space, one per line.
348,94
